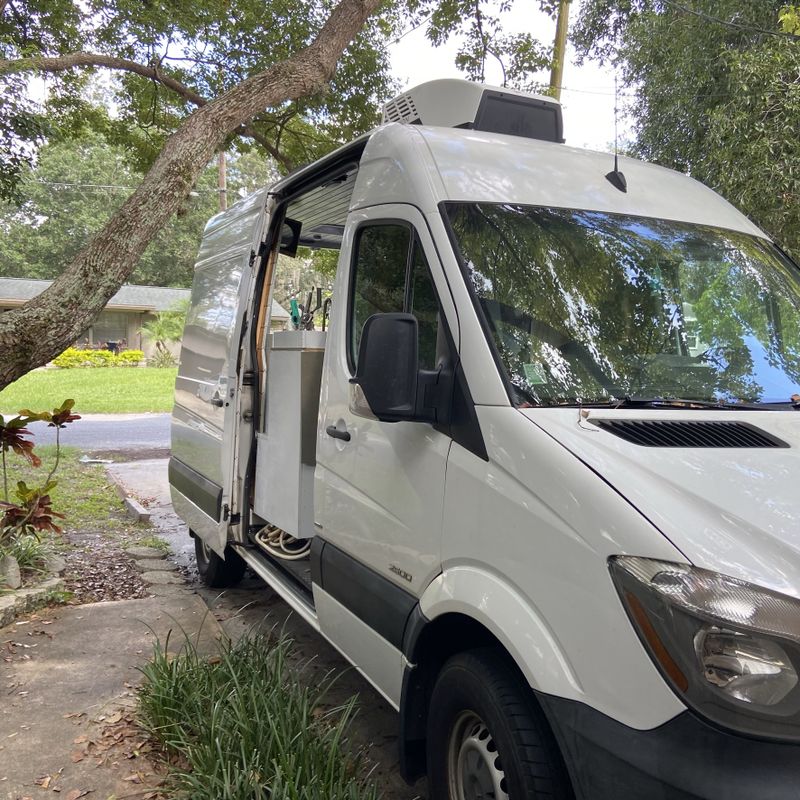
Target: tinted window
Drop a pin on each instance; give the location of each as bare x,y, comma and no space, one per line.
380,276
384,257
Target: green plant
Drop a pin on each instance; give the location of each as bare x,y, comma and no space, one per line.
161,358
30,552
73,357
33,513
166,327
128,358
245,728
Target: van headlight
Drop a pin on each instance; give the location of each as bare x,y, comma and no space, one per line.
730,649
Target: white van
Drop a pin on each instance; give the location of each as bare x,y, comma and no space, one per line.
538,478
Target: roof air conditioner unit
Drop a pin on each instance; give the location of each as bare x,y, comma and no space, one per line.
453,103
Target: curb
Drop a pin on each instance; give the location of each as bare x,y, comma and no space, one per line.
24,600
133,508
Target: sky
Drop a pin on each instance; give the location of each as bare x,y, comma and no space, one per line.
587,97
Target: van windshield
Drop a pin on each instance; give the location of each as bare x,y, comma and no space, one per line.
586,306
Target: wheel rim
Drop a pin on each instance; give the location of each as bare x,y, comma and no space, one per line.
474,769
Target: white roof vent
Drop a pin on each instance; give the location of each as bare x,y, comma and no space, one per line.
453,103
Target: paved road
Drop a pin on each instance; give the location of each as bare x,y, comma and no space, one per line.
98,432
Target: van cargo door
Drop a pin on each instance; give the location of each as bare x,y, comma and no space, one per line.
204,417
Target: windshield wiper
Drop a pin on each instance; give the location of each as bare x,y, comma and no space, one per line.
630,401
795,404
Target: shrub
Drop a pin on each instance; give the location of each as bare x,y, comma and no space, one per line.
74,357
161,358
101,358
128,358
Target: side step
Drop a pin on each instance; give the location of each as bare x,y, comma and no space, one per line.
274,577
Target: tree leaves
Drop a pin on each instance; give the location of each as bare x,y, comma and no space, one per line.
716,97
203,46
77,184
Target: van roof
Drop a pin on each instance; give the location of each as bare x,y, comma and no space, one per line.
425,166
463,165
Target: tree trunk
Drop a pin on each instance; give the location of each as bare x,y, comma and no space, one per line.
41,329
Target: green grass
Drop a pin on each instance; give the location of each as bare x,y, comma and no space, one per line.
83,492
86,498
155,542
240,726
96,390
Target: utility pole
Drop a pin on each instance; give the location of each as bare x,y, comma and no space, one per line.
559,49
222,181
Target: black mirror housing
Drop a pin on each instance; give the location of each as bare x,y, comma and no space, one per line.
387,369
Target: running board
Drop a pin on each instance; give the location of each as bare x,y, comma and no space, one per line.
276,580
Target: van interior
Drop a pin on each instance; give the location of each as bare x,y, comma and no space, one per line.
282,524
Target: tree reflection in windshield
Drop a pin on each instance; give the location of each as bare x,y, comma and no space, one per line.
586,306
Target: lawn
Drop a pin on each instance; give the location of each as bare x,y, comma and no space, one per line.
83,492
96,390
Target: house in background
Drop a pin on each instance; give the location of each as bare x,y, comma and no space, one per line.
126,312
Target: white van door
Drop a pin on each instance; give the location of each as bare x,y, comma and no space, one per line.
379,486
205,415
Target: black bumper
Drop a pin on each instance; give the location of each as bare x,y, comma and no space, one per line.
684,759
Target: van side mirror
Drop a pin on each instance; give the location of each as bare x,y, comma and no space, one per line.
387,368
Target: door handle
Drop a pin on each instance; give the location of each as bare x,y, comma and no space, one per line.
332,430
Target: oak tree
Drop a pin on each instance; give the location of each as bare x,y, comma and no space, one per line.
287,76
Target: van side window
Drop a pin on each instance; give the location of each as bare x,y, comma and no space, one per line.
391,273
380,276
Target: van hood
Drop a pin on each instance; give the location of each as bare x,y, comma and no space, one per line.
733,510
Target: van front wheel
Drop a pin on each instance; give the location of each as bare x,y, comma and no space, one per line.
486,736
216,572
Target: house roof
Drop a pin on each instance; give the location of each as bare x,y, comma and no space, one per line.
15,291
130,297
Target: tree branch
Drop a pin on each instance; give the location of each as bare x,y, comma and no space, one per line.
73,60
252,133
35,333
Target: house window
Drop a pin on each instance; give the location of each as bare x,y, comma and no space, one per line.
111,326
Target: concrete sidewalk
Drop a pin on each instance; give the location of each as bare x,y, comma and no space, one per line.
147,480
67,678
81,663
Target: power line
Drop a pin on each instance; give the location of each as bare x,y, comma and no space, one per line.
64,185
413,28
728,23
709,95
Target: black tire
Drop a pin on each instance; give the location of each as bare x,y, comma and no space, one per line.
216,572
487,737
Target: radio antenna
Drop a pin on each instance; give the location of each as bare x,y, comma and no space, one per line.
615,177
